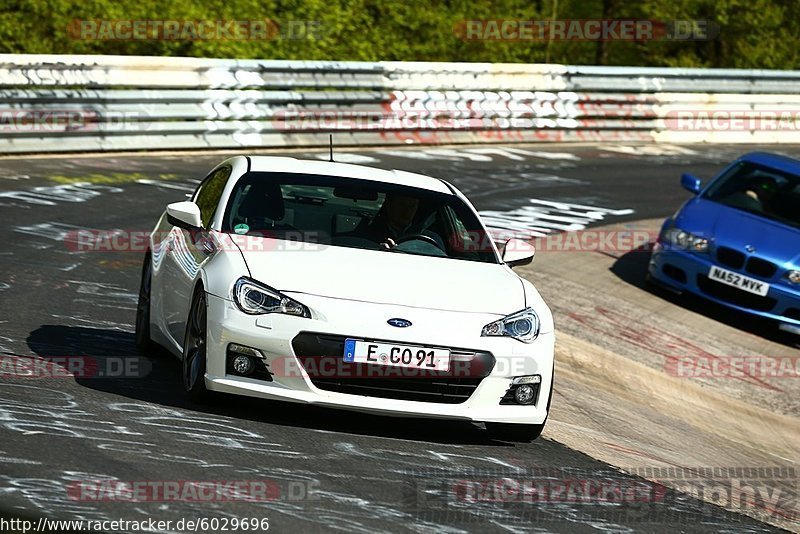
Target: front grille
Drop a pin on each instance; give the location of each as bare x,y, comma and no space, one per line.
734,295
452,391
762,268
322,357
737,260
730,257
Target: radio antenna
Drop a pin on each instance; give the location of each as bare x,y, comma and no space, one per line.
330,139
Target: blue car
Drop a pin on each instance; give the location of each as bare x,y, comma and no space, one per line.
737,241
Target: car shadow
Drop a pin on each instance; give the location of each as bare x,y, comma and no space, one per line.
156,379
632,269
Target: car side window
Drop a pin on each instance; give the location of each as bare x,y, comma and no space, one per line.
209,193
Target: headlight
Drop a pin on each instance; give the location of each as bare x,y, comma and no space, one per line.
523,326
793,276
685,240
254,298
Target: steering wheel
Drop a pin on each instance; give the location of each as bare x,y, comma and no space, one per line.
419,237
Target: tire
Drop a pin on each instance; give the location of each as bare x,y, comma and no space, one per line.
193,362
144,344
521,432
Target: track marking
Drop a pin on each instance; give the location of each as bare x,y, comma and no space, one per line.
544,217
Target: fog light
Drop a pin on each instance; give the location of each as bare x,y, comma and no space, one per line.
793,276
243,365
524,394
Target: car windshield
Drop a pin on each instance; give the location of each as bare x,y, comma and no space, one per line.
356,213
767,192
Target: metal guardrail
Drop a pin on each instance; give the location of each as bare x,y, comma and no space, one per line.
96,103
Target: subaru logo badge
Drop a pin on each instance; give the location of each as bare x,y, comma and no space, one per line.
399,323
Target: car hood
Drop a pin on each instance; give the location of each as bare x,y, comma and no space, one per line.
737,229
387,277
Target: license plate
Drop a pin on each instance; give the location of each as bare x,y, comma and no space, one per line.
414,357
745,283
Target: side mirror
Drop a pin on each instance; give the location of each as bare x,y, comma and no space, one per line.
518,252
691,183
184,215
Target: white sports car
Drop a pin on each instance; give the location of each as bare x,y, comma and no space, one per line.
349,287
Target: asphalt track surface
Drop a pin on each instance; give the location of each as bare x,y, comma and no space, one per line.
336,471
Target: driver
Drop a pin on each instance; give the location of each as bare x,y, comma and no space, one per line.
400,212
394,221
763,191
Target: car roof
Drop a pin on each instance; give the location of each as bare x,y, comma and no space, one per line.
346,170
774,161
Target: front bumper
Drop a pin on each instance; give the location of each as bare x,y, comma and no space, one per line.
273,334
682,270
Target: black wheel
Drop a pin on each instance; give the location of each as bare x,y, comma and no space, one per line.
194,349
144,344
